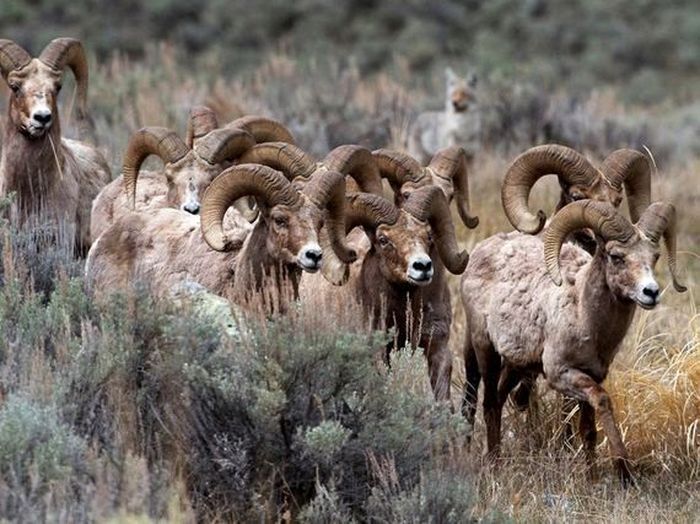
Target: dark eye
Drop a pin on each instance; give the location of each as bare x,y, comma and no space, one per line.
383,241
577,196
656,257
616,258
14,87
280,221
405,195
58,87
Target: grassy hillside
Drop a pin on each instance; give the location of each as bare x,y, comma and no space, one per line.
642,45
141,411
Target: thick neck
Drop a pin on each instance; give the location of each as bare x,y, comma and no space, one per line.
606,318
31,166
257,271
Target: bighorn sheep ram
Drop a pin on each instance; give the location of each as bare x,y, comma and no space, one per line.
579,179
399,276
355,162
401,281
167,247
518,311
403,278
51,175
458,125
189,167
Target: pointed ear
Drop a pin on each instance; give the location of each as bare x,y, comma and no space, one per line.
450,75
472,80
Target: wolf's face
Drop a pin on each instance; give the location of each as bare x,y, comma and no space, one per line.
461,91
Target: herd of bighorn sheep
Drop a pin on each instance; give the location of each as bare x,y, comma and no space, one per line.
243,211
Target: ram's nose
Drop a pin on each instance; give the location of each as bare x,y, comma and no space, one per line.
651,291
310,257
42,117
420,269
192,207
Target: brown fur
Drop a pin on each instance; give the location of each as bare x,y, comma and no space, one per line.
57,183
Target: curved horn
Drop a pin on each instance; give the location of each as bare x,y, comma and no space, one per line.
633,169
451,163
201,122
601,217
12,57
526,169
326,189
659,219
428,204
369,211
223,144
144,143
265,183
263,129
282,156
68,52
358,163
398,168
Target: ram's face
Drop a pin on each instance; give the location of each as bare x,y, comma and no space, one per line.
187,180
292,235
404,251
33,93
629,270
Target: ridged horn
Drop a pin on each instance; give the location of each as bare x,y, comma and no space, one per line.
146,142
530,166
224,144
601,217
398,168
68,52
633,170
358,163
326,189
451,163
268,185
659,219
369,211
263,129
202,121
12,57
282,156
428,204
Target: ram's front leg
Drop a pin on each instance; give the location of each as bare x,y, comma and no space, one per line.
439,366
582,387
